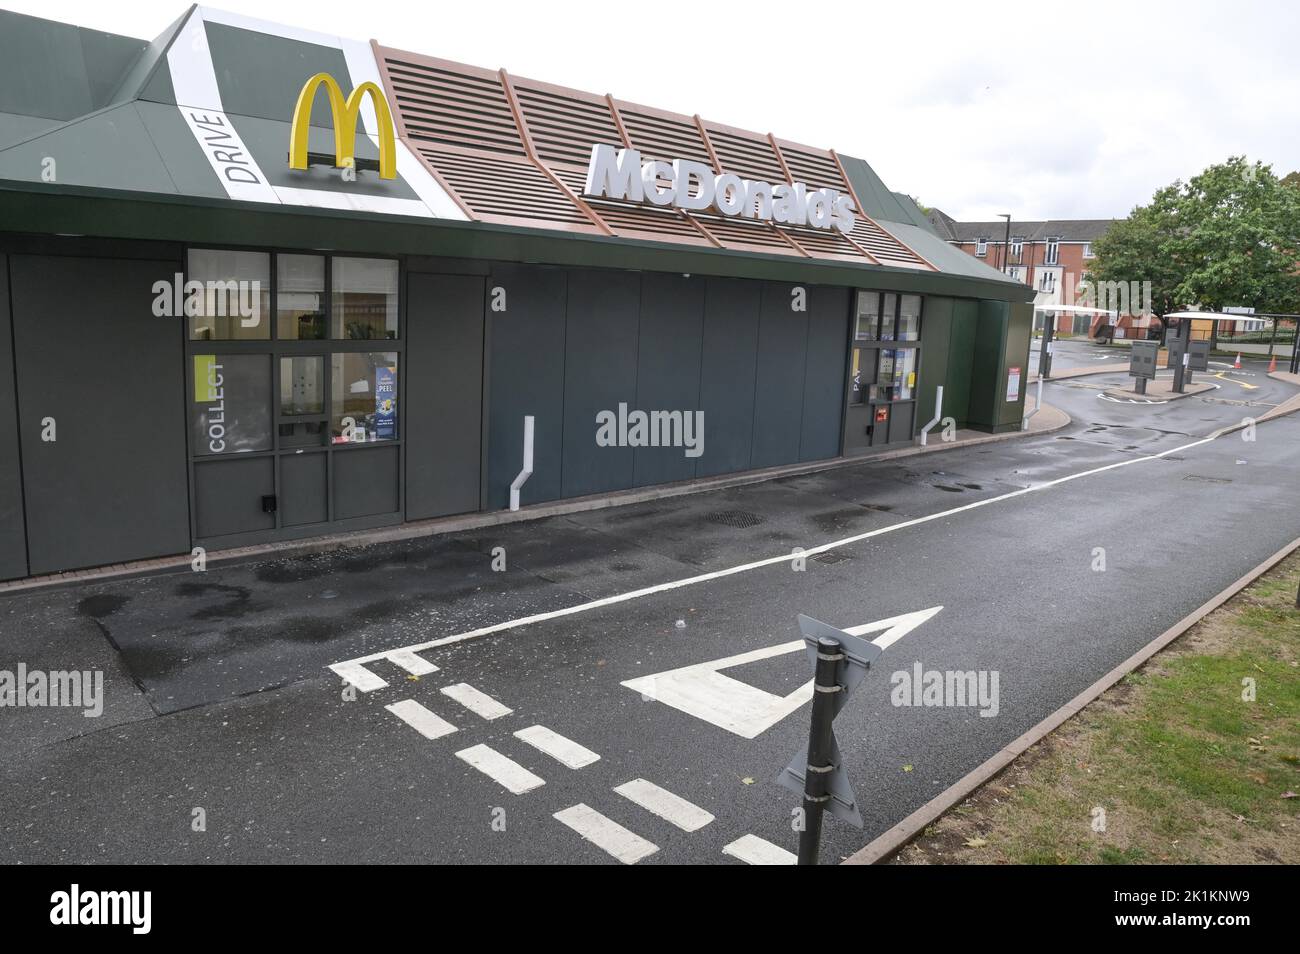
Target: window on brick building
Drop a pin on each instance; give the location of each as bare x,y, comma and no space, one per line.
981,247
1053,251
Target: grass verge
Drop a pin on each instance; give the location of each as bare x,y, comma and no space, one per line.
1175,764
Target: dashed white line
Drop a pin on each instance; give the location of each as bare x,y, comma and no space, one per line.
609,836
479,703
415,665
504,771
359,676
427,723
671,808
753,850
563,750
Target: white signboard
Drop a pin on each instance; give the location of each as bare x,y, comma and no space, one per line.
692,186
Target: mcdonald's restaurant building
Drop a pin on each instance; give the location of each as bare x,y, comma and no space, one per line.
259,283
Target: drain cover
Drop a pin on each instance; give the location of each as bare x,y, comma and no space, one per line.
740,519
832,556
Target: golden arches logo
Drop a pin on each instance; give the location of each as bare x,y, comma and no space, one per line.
345,114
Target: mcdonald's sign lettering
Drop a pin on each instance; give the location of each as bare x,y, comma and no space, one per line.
345,114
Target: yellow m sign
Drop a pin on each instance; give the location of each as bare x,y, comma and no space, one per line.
345,114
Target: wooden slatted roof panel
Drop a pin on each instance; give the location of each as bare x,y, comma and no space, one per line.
459,120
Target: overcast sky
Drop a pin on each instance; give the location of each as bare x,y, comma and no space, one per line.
1040,110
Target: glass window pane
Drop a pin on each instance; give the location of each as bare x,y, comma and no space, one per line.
868,315
302,385
230,411
363,397
227,295
364,298
904,374
300,297
909,318
887,317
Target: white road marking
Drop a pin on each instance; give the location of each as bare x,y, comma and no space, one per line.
412,663
703,691
671,808
479,703
427,723
359,676
753,850
609,836
563,750
354,667
505,772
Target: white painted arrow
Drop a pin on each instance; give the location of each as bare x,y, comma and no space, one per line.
702,690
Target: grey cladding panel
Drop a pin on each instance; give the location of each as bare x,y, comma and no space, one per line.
825,372
778,403
526,377
92,356
727,372
599,373
443,411
668,368
13,535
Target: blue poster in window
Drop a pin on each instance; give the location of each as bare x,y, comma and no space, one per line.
385,404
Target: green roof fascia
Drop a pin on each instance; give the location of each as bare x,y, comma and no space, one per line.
46,209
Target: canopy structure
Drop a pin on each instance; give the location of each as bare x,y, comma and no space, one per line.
203,115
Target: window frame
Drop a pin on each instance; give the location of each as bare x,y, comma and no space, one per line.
276,348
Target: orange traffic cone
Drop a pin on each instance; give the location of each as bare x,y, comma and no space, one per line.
1237,364
1272,365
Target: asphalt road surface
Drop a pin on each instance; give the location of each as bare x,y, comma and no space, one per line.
226,737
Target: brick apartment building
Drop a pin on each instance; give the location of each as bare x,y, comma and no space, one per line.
1044,255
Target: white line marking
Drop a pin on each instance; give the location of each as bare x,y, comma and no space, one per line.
768,561
563,750
505,772
609,836
360,677
704,691
479,703
753,850
671,808
412,663
427,723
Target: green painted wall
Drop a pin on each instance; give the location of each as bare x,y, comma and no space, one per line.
947,344
1001,343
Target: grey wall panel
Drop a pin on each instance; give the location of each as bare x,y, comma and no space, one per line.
526,377
778,401
13,531
366,481
228,495
728,367
599,372
442,418
668,368
91,354
825,372
304,491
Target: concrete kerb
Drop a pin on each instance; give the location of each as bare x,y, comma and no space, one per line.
1049,419
885,846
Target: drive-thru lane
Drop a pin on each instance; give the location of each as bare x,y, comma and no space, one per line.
582,767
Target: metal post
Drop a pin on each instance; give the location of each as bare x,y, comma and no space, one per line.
816,790
1045,355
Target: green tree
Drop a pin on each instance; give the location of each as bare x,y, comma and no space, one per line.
1240,238
1229,236
1144,248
